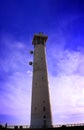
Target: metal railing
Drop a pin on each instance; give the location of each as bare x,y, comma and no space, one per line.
69,125
13,126
54,126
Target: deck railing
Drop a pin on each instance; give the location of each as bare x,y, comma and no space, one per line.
54,126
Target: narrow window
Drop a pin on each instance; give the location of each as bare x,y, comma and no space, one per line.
42,77
44,108
41,58
35,108
43,101
44,117
44,123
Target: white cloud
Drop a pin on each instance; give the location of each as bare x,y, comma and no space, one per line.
67,97
15,97
66,84
18,94
30,73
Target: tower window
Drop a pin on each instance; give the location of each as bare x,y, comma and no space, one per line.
35,108
43,101
35,83
38,41
44,109
41,58
42,77
42,41
44,117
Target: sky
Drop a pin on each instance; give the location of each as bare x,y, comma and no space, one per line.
63,22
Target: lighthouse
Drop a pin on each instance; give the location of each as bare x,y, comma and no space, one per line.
41,116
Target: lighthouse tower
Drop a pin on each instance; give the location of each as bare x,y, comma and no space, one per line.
40,104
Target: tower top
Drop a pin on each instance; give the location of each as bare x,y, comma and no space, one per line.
39,38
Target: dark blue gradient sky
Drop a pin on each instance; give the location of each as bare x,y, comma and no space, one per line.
63,22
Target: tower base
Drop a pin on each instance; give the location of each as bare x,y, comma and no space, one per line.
39,123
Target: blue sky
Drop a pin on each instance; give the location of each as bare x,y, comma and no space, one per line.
63,22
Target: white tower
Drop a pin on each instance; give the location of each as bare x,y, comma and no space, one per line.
40,105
